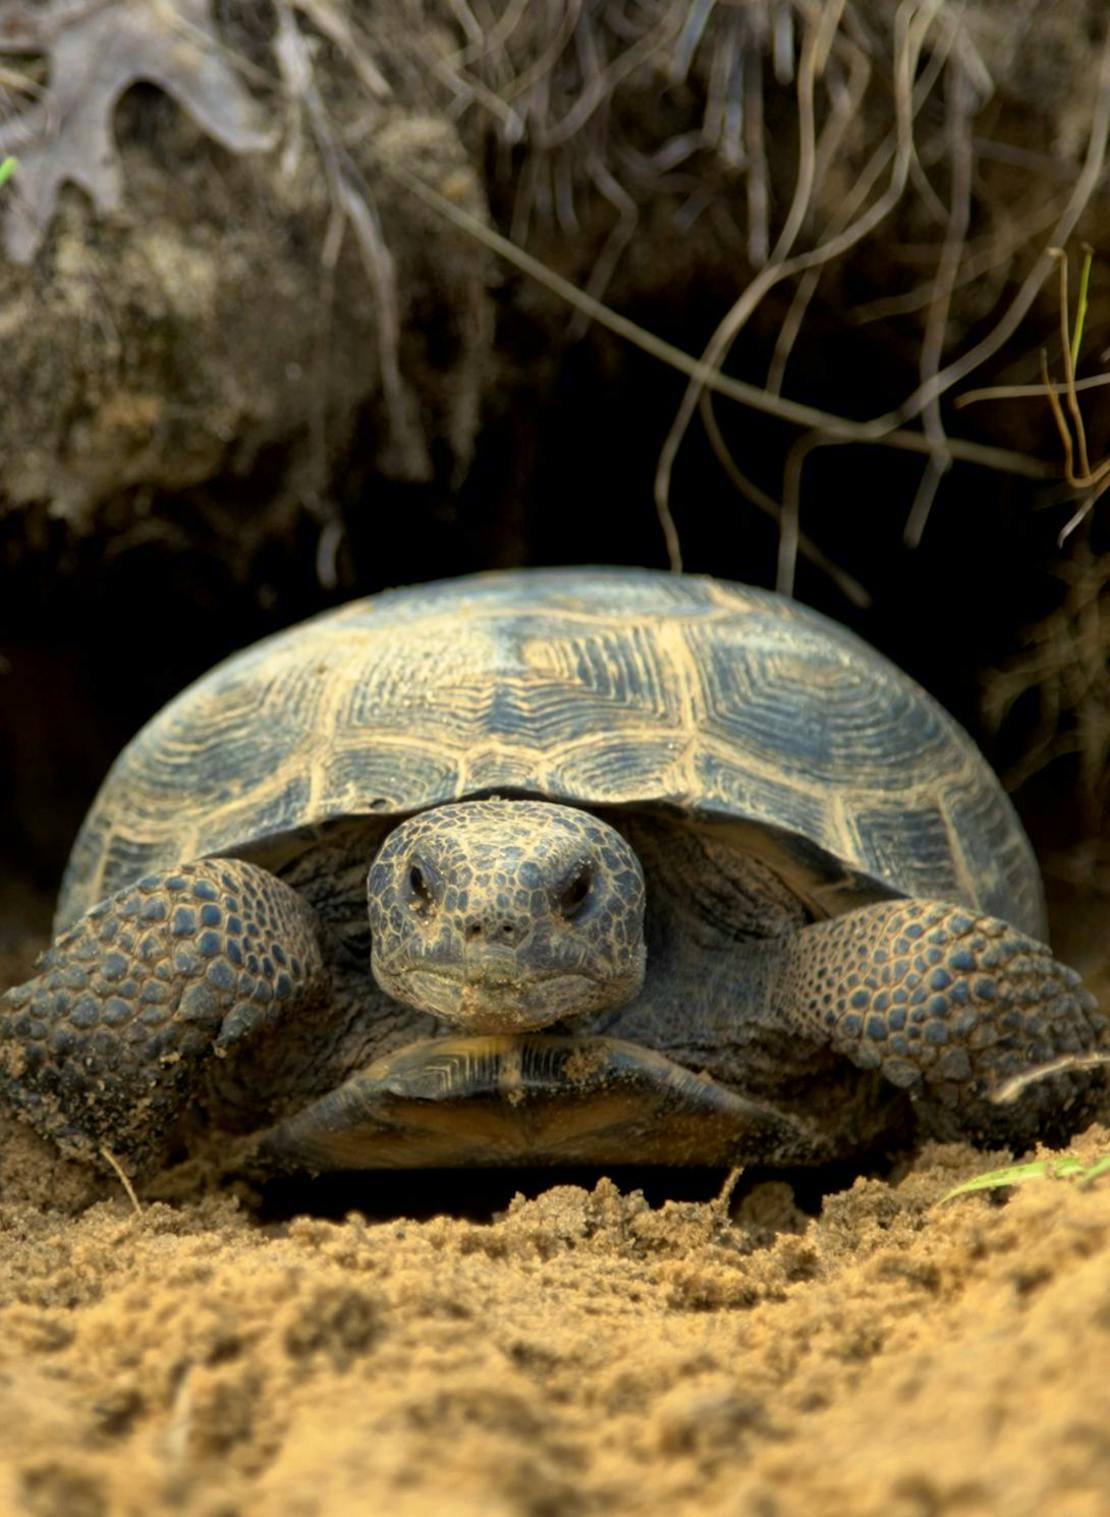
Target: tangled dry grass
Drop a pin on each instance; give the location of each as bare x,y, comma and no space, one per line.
887,102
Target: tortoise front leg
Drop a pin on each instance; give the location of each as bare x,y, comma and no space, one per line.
948,1005
110,1045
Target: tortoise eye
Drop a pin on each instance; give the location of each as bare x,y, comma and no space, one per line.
418,887
576,892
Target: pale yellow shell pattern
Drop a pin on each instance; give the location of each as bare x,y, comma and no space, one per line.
601,687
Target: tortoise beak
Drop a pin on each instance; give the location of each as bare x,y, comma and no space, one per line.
531,1100
488,999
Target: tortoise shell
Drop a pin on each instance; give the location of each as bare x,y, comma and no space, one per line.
607,688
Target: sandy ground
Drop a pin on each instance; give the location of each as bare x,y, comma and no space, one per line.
580,1351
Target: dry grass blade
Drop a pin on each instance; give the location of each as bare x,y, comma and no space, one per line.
928,393
846,99
332,22
993,254
1069,346
1008,1092
124,1179
1071,428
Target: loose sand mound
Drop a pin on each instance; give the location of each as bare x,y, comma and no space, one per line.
584,1352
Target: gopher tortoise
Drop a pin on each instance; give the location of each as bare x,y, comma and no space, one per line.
538,867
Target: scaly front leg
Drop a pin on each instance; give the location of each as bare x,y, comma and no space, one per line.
948,1005
110,1046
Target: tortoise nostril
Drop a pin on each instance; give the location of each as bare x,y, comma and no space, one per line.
576,892
494,930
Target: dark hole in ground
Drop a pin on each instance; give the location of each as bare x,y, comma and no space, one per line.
480,1195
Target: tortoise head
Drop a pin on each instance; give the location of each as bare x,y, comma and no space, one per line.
507,915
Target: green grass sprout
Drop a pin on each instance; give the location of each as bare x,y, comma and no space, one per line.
8,167
1024,1174
1081,307
1099,1167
